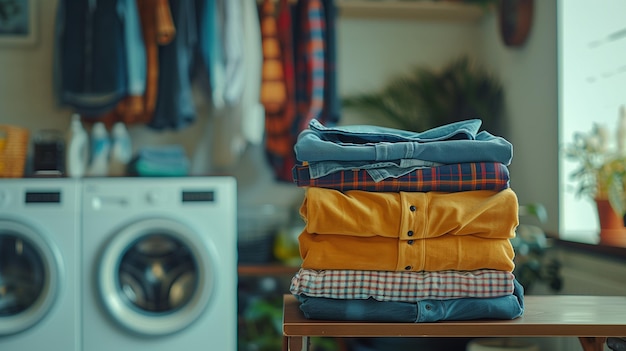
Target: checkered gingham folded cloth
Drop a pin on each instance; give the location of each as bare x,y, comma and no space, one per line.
402,286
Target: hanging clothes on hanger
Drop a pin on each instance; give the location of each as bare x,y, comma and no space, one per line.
252,111
221,46
279,139
309,57
210,47
175,107
89,59
273,94
331,113
132,104
107,57
165,28
157,29
233,51
308,48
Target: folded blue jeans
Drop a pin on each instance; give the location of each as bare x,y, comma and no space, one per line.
424,311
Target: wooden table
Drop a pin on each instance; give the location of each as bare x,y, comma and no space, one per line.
589,318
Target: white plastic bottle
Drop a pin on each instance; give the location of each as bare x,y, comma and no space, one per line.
121,150
77,150
100,147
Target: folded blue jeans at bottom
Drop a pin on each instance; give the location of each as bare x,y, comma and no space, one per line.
429,310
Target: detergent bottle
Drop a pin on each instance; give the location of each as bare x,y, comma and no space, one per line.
121,150
77,150
100,147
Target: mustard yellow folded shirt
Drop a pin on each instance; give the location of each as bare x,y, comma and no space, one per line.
446,252
411,215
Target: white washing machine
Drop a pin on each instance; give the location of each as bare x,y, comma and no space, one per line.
39,264
159,264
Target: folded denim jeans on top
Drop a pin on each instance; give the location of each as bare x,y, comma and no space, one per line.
445,144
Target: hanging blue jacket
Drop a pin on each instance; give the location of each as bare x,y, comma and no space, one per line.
89,56
99,54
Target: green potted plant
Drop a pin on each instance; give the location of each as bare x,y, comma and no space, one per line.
601,171
425,98
534,262
262,328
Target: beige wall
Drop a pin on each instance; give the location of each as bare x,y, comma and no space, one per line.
529,75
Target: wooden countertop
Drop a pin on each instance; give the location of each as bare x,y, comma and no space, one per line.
590,318
550,315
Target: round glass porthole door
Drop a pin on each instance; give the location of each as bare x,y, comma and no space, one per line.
156,276
29,274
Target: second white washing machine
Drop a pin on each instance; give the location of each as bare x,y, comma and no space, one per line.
159,264
39,264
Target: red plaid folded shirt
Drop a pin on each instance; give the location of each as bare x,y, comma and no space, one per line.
402,286
445,178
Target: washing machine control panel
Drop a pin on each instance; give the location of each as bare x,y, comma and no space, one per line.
8,197
47,197
155,197
114,198
198,196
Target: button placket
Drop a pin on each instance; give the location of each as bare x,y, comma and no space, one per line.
407,255
410,232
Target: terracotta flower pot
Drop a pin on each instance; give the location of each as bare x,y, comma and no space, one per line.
612,230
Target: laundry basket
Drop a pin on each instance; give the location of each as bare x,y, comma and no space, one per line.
13,150
257,228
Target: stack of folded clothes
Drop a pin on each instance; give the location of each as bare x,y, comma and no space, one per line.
406,226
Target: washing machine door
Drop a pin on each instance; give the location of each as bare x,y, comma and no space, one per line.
30,270
156,276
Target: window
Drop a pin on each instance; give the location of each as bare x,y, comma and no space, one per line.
592,81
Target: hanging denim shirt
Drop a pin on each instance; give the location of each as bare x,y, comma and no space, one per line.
457,142
210,44
175,107
424,311
134,48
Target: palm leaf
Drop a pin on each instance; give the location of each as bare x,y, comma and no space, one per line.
425,98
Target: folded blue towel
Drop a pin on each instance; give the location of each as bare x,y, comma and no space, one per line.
160,161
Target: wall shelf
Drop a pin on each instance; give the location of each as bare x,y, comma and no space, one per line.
405,9
269,269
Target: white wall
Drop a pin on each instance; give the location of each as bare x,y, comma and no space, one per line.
372,51
529,75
